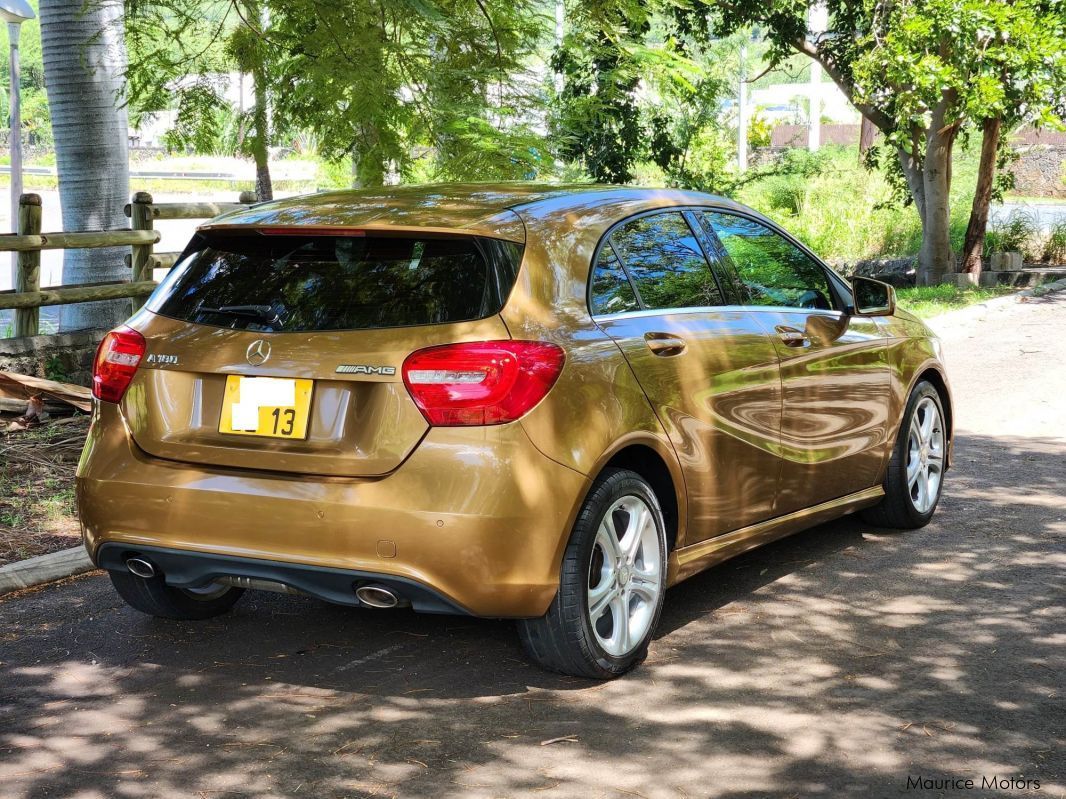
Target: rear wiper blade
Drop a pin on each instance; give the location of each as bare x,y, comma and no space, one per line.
263,313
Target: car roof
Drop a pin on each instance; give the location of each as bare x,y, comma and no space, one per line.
488,209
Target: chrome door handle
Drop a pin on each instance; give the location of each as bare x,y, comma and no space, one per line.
664,344
793,338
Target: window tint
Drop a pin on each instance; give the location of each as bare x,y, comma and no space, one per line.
611,290
772,270
250,281
666,262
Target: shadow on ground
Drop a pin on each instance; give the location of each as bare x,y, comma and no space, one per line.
834,663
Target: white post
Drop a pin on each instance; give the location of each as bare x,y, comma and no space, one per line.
15,136
742,114
814,124
818,21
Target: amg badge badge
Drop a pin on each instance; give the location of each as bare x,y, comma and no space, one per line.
363,369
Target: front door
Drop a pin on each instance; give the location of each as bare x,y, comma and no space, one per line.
835,375
710,371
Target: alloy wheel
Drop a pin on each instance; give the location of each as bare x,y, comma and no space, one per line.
925,455
625,576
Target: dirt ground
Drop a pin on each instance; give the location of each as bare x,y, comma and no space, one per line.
844,661
37,487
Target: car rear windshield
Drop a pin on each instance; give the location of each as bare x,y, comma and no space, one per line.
288,283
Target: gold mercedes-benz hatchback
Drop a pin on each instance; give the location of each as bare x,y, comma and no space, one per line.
537,402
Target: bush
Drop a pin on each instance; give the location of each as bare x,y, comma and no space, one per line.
760,130
1055,247
845,212
1018,233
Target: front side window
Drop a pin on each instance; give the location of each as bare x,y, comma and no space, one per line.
772,270
666,262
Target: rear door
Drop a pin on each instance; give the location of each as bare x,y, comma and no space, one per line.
709,370
282,351
835,372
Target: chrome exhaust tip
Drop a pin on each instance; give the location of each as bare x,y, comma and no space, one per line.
141,568
377,596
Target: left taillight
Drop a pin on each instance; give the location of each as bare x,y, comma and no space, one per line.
482,382
116,363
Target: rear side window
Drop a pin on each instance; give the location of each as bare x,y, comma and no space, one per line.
666,262
287,283
611,290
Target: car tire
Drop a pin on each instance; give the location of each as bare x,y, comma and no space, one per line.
154,597
610,595
911,490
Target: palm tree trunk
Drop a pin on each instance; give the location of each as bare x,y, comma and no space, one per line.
84,54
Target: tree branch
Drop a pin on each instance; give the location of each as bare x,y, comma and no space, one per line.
492,27
878,117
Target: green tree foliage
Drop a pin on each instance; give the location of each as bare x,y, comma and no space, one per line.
686,80
173,45
1005,65
386,83
380,84
921,71
638,81
598,119
179,54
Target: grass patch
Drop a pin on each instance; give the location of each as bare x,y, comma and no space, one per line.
927,301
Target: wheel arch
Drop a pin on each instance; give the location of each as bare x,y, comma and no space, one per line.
935,377
913,367
646,459
940,383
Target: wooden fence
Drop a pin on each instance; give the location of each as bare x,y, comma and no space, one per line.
141,237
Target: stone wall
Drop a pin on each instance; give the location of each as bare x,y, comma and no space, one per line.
1040,170
899,272
67,357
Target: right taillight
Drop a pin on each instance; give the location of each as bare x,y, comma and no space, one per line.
482,382
116,362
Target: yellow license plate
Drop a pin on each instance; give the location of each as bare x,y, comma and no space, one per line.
274,407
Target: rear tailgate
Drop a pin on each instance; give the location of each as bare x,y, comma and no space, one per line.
360,419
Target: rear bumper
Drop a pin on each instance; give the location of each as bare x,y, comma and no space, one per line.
183,569
477,517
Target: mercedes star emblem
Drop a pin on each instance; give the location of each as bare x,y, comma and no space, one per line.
258,352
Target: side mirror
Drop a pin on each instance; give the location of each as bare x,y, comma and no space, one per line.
872,297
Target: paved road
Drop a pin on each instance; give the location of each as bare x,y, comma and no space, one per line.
836,663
